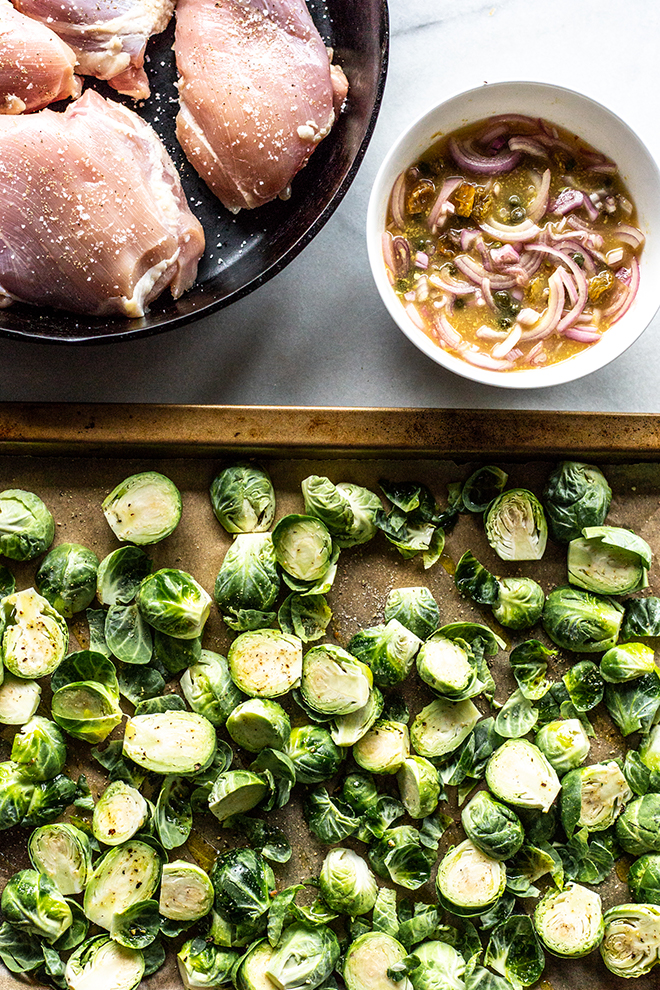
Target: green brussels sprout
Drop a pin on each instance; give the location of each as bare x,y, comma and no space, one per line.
576,495
248,577
242,881
174,603
119,814
16,793
644,878
346,730
649,748
415,608
515,525
400,855
368,961
436,962
175,654
348,511
313,753
204,965
442,726
564,743
236,791
7,582
633,705
303,547
519,774
66,577
259,723
304,615
64,853
208,688
609,560
100,960
585,685
32,903
468,882
19,700
631,943
448,667
170,742
641,618
419,786
519,602
333,682
580,621
346,883
483,485
186,892
250,973
626,662
125,875
569,922
471,578
143,509
120,574
304,958
384,748
86,710
492,827
389,650
48,800
514,951
39,749
87,666
265,663
359,791
638,828
328,818
26,526
243,499
35,636
128,636
593,797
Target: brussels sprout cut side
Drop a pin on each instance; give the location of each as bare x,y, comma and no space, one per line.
125,875
186,892
516,527
101,959
35,636
609,561
143,509
519,774
468,882
334,682
64,853
569,922
266,663
631,942
170,742
120,812
369,960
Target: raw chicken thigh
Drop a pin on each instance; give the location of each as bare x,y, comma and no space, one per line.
108,36
36,67
94,218
257,94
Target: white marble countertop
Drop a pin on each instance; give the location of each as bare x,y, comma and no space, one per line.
318,334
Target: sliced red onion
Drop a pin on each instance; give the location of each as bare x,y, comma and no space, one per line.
527,145
464,155
539,204
449,186
468,238
476,273
398,201
414,315
630,235
583,334
504,348
624,300
550,319
578,275
422,260
505,255
402,256
504,123
488,333
486,361
525,231
536,351
487,293
614,257
567,200
446,333
388,253
595,161
569,285
448,284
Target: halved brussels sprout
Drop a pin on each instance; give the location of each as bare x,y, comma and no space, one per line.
242,880
100,960
87,666
26,526
346,883
170,742
419,786
186,892
482,486
388,650
609,560
174,603
384,748
649,748
64,853
125,875
38,747
313,754
120,575
304,958
368,961
638,828
631,943
441,727
235,792
569,922
86,710
144,508
209,689
259,723
333,682
644,878
303,547
519,602
66,577
472,579
415,608
35,636
265,663
251,972
347,510
564,743
576,495
248,577
204,965
626,662
580,621
435,961
448,667
120,812
346,730
593,797
468,882
515,525
243,498
19,700
32,903
492,827
519,774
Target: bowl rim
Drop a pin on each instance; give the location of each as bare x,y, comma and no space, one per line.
570,369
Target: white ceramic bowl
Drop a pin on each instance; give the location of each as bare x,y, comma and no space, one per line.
596,125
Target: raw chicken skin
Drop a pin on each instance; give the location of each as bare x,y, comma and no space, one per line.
108,36
257,94
94,218
36,67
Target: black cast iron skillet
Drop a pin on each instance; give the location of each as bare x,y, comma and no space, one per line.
243,251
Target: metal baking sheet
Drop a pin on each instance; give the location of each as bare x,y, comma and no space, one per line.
72,456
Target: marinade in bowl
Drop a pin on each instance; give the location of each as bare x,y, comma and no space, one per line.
512,243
